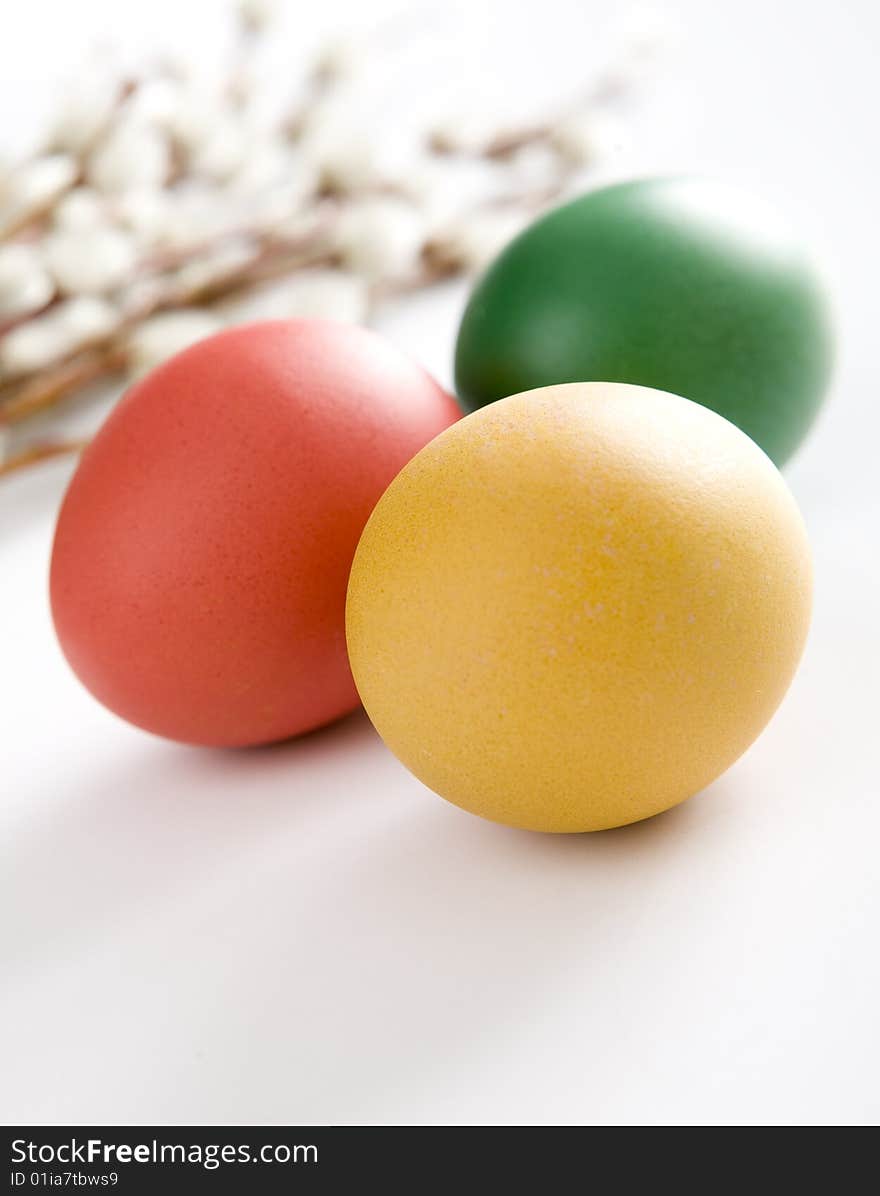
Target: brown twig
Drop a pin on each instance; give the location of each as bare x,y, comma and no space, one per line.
498,147
40,451
50,386
34,216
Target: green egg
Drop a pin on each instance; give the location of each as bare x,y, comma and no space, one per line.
682,285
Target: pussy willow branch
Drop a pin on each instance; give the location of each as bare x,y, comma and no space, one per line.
276,258
31,394
32,218
105,357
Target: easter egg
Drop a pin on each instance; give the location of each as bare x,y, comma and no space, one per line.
578,606
682,285
203,548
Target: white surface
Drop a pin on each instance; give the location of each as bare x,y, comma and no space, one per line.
305,934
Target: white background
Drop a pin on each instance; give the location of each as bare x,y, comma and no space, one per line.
304,933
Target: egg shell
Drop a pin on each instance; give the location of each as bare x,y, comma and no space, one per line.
202,551
683,285
579,606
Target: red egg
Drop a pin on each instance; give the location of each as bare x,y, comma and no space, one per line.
203,548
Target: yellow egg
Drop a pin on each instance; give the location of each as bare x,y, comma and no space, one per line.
578,606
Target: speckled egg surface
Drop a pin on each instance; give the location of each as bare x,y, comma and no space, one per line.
203,548
579,605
